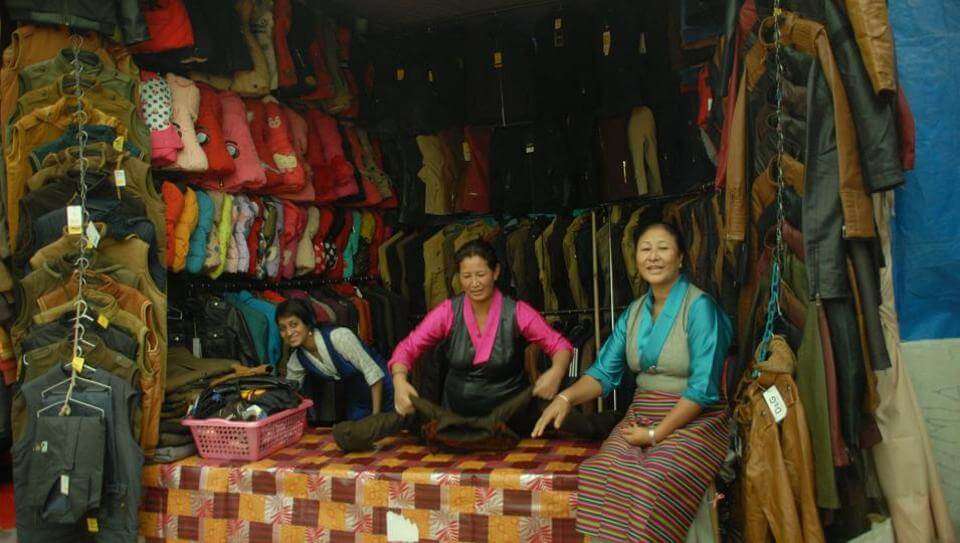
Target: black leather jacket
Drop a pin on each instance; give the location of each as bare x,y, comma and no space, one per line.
103,16
220,327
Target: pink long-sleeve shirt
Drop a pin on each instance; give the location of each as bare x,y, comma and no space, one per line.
436,326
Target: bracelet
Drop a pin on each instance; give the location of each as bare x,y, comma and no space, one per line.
563,397
652,432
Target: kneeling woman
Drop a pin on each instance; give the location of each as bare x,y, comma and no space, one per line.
654,469
333,354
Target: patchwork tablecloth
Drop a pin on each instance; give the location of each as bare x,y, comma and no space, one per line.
313,492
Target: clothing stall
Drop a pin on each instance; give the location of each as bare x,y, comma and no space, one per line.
174,170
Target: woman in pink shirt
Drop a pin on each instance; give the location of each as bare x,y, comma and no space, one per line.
482,335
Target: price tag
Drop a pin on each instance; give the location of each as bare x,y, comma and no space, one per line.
74,219
557,23
643,43
607,39
118,144
401,73
497,59
197,348
103,321
92,525
466,152
65,484
430,75
531,148
93,236
778,408
77,364
709,104
120,178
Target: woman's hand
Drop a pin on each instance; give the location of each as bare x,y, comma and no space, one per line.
638,436
402,392
555,413
548,384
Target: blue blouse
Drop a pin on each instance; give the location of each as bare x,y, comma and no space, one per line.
708,336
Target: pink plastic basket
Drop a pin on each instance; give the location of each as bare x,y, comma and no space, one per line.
229,440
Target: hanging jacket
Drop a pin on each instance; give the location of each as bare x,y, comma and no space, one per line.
198,239
212,258
499,73
184,228
104,17
333,174
248,172
256,81
209,129
169,27
294,219
306,259
262,28
256,115
619,50
156,108
186,108
565,79
224,229
173,199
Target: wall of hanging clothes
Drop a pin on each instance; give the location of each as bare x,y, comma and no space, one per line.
240,153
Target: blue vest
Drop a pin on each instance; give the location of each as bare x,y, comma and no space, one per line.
356,390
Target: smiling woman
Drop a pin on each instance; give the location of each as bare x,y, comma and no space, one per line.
333,354
674,340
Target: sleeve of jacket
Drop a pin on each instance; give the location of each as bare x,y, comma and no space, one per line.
874,35
132,23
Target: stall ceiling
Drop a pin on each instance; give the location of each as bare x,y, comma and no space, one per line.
396,13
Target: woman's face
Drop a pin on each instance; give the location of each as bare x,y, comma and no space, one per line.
293,331
477,279
658,257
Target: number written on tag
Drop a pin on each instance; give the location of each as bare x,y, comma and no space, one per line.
778,407
197,348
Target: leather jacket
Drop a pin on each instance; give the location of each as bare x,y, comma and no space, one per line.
103,17
221,328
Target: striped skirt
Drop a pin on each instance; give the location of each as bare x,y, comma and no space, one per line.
630,494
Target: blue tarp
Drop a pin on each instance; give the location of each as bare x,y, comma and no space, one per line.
926,226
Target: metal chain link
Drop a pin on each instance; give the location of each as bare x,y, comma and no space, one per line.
773,306
82,262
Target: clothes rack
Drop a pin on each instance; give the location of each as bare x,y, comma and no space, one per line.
228,285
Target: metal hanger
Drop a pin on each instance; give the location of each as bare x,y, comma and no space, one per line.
74,401
66,381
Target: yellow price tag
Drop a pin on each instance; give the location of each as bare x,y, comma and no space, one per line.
92,525
118,144
607,40
497,59
401,73
557,23
466,152
430,75
103,321
77,364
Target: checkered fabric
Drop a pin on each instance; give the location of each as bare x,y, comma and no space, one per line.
313,492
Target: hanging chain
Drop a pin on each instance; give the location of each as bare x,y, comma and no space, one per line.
773,306
82,262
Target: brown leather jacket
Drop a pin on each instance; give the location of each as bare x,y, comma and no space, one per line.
778,459
874,35
807,37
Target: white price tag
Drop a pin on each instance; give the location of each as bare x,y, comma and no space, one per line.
65,485
778,407
557,23
93,236
120,178
197,349
74,219
643,43
466,152
531,148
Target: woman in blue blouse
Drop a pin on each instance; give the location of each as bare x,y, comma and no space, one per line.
654,469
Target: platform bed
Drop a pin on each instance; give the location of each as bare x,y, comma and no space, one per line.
313,492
